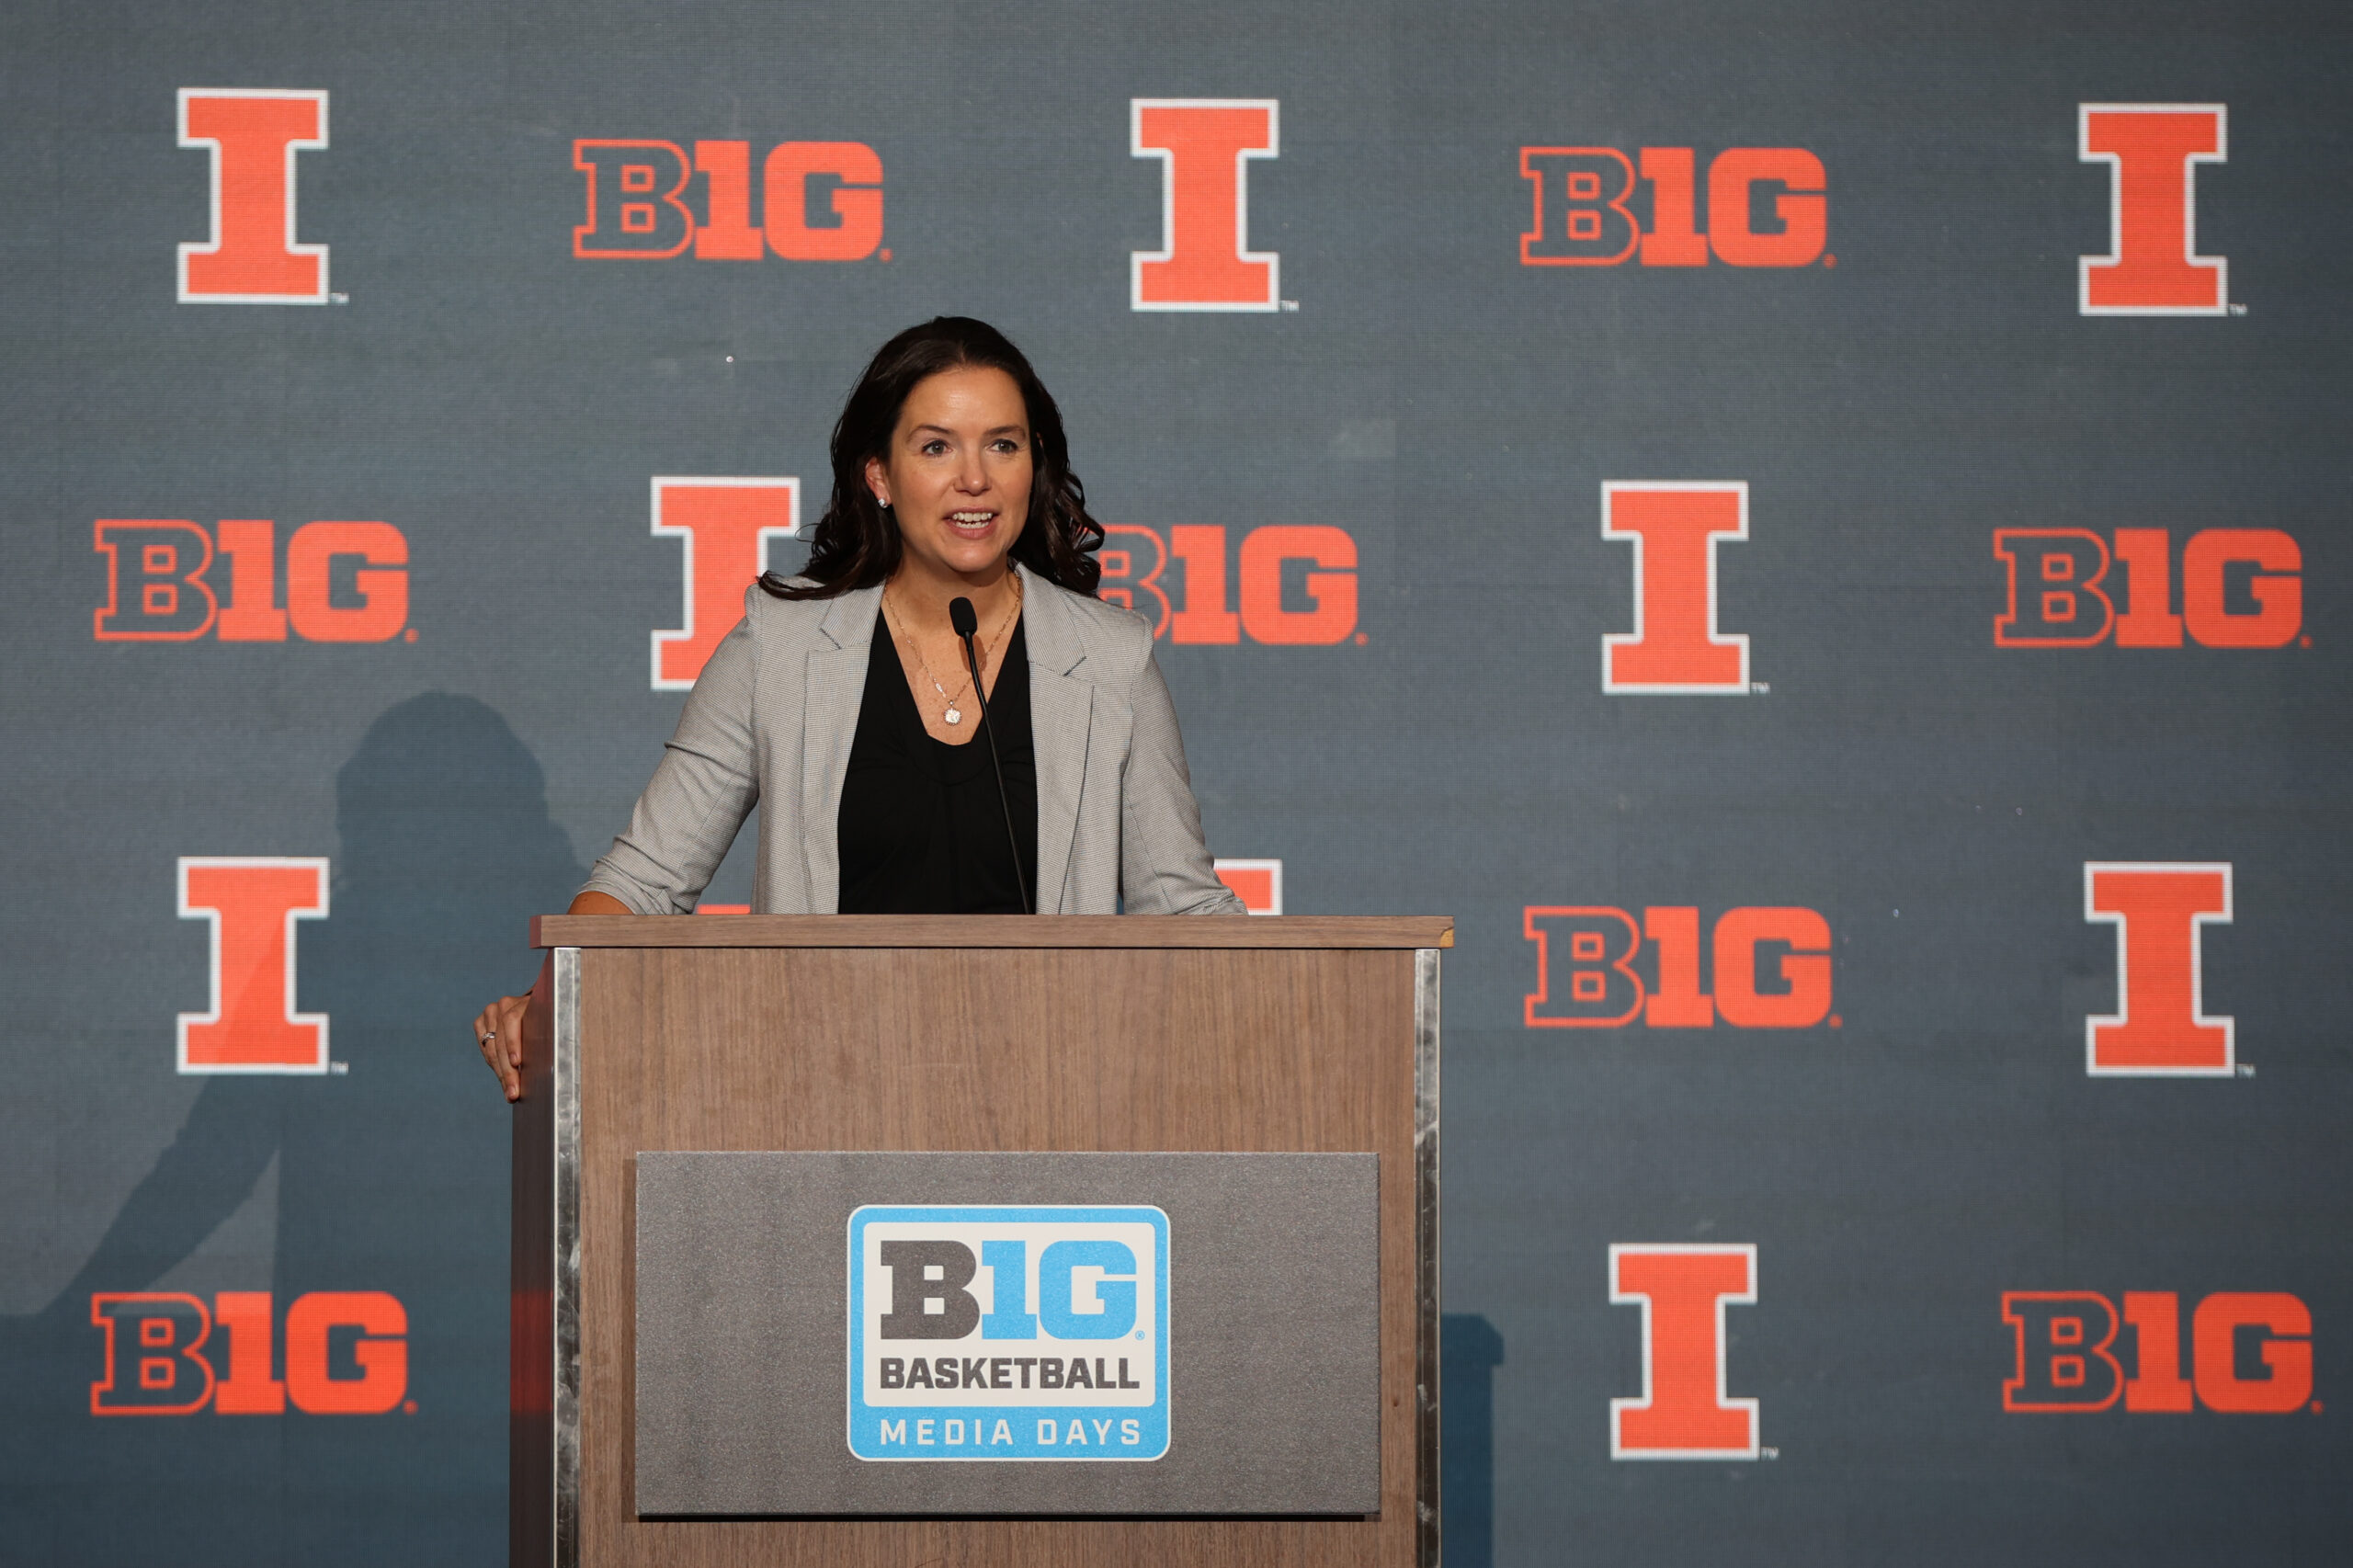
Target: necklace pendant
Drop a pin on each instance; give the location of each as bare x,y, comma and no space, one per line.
954,714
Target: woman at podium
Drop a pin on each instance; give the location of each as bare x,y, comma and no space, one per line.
1030,764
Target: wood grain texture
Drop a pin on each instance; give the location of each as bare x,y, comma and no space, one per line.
1312,931
987,1049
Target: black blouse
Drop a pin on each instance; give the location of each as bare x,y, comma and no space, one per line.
920,830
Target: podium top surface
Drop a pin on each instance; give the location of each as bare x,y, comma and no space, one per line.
991,931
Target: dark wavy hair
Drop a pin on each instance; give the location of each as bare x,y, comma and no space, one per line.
856,544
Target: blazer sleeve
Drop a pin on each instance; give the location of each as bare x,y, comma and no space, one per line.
706,784
1163,864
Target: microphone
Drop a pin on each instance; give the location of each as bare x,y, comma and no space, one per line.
965,623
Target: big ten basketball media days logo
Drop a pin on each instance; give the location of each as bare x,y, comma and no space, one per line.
2160,1028
342,582
651,200
253,257
1684,1411
726,527
1770,967
1285,584
1008,1333
2071,1351
251,903
1767,207
2240,588
2152,267
347,1353
1674,647
1205,147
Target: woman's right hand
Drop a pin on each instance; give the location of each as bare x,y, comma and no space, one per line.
498,1031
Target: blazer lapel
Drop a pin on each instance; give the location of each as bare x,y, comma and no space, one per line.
1061,709
835,686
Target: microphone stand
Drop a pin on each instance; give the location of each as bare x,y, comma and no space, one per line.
965,622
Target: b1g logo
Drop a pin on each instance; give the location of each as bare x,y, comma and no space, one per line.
819,201
2152,267
2160,910
1674,526
252,257
1684,1412
1297,582
2251,1353
347,1353
1204,261
727,526
2240,588
1771,969
1013,1333
344,582
252,903
1582,213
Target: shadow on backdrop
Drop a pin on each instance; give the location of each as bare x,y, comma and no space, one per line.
1469,1352
391,1177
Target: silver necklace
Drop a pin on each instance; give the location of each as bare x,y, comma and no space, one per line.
953,714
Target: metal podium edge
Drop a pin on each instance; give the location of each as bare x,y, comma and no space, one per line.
566,1383
1427,1500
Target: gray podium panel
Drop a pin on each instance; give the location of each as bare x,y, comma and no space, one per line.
1086,1334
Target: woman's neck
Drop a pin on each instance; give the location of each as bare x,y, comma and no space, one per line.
922,597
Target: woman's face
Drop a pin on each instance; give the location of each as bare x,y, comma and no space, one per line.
956,474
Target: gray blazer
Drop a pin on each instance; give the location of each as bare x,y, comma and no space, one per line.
770,724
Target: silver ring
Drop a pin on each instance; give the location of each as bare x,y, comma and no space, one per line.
488,1041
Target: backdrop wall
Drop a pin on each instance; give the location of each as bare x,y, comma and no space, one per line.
1811,530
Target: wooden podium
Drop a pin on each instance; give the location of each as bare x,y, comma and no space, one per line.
971,1033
